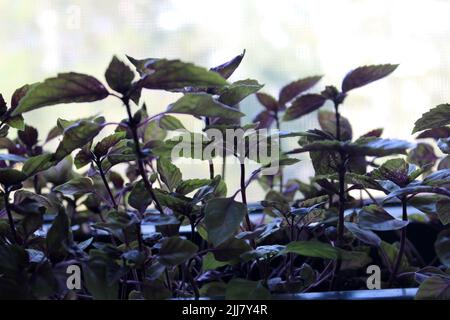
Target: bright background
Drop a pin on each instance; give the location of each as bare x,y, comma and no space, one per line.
285,40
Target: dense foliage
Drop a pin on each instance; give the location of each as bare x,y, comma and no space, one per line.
126,231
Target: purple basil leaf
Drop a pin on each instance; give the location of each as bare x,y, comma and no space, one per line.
119,76
226,69
434,118
65,88
422,155
303,105
238,91
18,95
435,133
373,133
265,119
295,88
269,102
29,136
364,75
375,218
444,163
175,75
327,121
53,133
366,236
395,170
3,106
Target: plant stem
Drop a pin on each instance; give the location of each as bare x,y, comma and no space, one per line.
211,169
292,227
124,288
139,237
338,121
244,200
402,243
371,197
320,278
149,163
10,218
191,281
342,170
139,155
224,165
105,182
277,123
98,163
140,162
211,164
340,228
138,283
342,167
6,117
36,187
169,282
244,195
192,223
336,269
